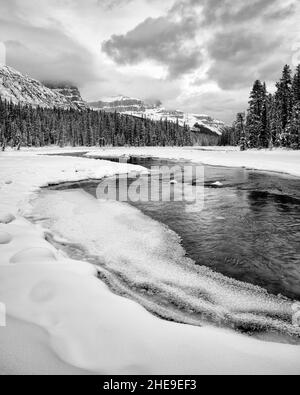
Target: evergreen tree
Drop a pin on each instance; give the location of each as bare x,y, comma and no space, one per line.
256,117
240,128
25,125
273,120
284,103
265,135
296,86
295,127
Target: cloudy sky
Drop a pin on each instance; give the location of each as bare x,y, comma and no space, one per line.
196,55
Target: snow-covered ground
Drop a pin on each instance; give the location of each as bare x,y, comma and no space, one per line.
70,319
145,260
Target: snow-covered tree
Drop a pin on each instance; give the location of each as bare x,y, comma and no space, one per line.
273,120
296,86
294,129
257,114
240,129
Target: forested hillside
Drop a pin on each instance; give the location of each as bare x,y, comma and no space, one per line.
272,120
27,126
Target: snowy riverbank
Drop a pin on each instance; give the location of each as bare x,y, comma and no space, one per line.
71,320
278,160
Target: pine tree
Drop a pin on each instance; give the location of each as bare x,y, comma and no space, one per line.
24,125
295,127
296,86
256,117
273,122
284,103
265,135
241,131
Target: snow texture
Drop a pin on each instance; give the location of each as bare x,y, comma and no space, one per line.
146,256
70,318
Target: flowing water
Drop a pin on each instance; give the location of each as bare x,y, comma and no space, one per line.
248,230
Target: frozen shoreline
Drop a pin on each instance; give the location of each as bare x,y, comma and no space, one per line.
145,260
278,160
40,287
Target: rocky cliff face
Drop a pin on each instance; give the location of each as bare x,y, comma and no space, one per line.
19,88
70,92
119,104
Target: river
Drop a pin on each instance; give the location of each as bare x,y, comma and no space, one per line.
247,230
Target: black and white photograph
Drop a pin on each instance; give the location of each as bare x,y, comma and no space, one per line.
149,190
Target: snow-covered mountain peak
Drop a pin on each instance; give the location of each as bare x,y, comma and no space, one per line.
196,122
19,88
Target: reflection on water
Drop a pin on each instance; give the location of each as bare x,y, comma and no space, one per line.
248,229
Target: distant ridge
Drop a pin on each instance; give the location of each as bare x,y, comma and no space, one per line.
118,103
138,108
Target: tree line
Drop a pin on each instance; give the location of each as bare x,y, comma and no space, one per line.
272,120
37,127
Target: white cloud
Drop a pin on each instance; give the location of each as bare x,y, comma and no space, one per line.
198,55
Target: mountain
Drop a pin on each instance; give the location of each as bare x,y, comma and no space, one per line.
70,92
19,88
199,123
119,104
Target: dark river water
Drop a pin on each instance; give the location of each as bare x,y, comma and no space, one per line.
247,230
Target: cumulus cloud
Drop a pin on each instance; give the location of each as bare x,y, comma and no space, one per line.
167,40
237,34
197,55
228,12
250,41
